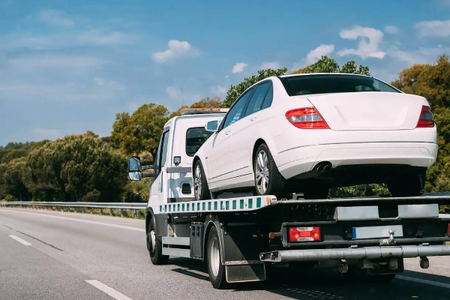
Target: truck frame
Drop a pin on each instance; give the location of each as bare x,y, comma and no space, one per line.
240,236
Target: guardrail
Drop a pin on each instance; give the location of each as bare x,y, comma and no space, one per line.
122,206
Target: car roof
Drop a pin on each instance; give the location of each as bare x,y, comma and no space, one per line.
323,73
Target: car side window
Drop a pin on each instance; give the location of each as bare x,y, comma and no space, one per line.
268,99
257,99
235,113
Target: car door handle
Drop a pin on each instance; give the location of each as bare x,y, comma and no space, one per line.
253,119
227,132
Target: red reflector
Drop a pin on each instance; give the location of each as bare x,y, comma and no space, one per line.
426,118
304,234
306,118
448,230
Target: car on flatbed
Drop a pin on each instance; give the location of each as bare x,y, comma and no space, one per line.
307,133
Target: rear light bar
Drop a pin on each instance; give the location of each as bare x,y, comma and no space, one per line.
426,119
306,118
304,234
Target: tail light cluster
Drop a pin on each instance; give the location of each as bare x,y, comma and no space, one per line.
304,234
426,118
307,118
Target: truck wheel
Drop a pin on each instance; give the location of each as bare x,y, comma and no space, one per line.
201,189
407,184
154,244
216,269
268,180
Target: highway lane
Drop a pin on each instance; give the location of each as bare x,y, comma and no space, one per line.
67,250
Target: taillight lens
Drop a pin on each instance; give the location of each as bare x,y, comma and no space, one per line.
306,118
448,230
304,234
426,118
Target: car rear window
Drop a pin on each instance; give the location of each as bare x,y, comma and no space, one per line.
195,137
323,84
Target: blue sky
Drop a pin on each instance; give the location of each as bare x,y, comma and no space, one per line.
69,66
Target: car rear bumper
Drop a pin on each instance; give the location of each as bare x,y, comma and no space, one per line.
295,161
407,251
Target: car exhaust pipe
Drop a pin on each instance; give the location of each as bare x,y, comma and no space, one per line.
322,167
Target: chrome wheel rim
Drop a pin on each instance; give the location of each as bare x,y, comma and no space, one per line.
262,172
197,182
214,257
153,240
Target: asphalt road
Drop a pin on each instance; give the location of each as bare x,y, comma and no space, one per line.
55,255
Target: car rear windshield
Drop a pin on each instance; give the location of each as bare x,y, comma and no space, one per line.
195,137
323,84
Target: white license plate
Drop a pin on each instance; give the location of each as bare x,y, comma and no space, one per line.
377,232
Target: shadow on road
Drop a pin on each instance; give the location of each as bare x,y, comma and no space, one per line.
329,284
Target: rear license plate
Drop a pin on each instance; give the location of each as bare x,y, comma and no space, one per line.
377,232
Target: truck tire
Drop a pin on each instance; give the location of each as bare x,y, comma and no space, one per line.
216,269
407,184
201,189
268,180
155,245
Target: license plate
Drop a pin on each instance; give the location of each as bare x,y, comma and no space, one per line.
377,232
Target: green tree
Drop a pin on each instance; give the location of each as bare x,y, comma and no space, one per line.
140,131
236,90
78,168
329,65
208,103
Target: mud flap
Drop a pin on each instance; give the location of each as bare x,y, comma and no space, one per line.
245,273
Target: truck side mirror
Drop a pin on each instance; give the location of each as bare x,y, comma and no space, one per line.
134,169
212,126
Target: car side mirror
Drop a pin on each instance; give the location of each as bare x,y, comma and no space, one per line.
212,126
134,169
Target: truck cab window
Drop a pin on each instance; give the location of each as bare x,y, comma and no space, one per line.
195,137
162,151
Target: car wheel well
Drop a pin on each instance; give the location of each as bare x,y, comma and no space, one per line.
257,144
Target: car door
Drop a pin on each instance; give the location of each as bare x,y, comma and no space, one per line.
219,160
244,136
158,188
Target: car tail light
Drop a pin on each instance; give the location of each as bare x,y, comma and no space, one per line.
306,118
426,118
304,234
448,230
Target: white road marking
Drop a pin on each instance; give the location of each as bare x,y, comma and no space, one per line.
106,289
424,281
19,240
82,221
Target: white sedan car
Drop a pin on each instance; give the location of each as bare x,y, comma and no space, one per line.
306,133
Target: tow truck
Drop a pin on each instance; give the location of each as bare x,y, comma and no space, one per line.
240,236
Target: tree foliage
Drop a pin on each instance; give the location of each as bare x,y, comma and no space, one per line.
329,65
140,131
236,90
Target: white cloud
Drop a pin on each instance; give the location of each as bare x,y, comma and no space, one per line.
322,50
238,67
98,37
368,47
110,84
421,55
46,134
439,29
70,63
55,17
270,65
175,48
218,90
391,29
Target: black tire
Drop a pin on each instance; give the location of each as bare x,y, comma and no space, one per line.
201,189
275,183
216,269
407,184
155,249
